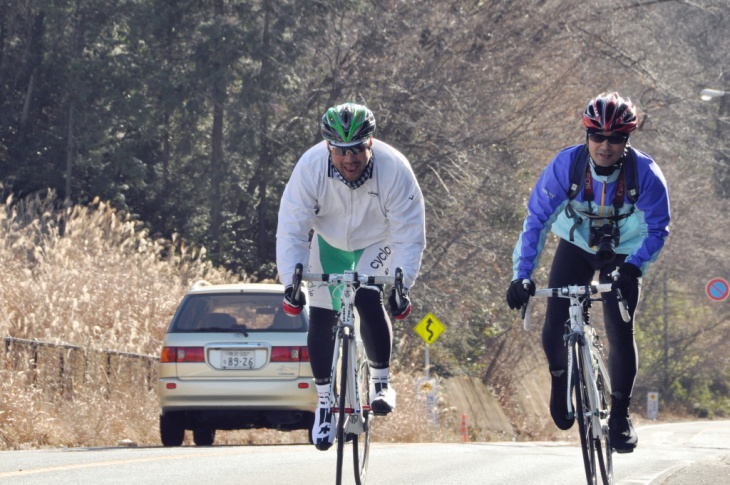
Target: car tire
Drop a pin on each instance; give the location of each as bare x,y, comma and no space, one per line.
172,430
203,436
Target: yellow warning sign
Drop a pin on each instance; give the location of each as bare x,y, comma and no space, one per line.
429,328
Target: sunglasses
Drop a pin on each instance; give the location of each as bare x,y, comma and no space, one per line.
355,150
612,139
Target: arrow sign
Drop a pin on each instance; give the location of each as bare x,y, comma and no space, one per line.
429,328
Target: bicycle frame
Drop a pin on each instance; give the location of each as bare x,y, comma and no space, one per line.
587,376
583,334
348,335
349,377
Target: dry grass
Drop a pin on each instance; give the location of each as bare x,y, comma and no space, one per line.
87,277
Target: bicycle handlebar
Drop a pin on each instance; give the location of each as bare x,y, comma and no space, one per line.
575,291
337,278
349,277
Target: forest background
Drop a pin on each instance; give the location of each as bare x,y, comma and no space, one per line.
145,144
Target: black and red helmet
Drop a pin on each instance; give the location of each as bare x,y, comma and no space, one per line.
611,112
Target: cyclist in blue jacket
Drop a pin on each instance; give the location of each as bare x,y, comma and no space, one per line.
600,230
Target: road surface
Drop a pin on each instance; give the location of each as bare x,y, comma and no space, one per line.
666,453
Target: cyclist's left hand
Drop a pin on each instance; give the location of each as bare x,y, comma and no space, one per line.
405,305
628,280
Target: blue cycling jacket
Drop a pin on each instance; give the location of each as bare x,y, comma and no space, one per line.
642,234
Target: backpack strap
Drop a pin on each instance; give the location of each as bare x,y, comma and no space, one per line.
578,172
627,183
577,181
631,173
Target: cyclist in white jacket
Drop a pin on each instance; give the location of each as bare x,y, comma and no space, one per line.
352,203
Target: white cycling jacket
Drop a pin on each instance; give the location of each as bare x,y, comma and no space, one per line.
387,208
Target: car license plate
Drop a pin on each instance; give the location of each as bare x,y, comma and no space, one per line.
238,359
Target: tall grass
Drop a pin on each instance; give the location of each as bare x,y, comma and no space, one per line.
87,276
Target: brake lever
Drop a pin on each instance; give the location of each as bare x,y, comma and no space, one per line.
527,315
527,307
398,285
623,305
297,282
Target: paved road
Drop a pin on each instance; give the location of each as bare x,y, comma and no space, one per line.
710,472
668,454
711,468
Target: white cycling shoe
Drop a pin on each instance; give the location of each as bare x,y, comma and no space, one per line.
323,431
382,398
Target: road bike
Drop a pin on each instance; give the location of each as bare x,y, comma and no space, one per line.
587,375
350,377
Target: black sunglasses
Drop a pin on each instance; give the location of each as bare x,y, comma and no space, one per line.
612,139
356,149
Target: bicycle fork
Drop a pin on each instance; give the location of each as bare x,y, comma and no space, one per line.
585,343
348,370
588,367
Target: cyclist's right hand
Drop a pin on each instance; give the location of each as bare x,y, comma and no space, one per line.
519,293
292,305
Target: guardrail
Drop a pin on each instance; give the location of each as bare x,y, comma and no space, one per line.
66,369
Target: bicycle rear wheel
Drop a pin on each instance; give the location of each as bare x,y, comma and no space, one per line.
340,390
582,415
361,442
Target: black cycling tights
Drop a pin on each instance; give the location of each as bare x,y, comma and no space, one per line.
574,266
375,329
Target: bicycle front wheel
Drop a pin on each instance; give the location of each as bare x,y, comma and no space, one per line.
340,389
361,442
583,416
593,409
603,445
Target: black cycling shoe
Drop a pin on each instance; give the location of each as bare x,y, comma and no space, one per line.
558,400
620,430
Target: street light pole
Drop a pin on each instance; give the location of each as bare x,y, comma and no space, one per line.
708,94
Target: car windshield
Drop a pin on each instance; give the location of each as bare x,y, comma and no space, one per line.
235,312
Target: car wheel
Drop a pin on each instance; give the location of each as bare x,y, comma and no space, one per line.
203,436
172,431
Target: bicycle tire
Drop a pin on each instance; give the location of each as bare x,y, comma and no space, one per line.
603,446
585,424
361,443
341,402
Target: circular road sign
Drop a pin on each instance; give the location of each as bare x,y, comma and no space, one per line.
717,289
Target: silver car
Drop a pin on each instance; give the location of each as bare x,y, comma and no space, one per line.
232,359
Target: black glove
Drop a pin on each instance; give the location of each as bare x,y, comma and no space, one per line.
402,311
518,295
628,280
293,307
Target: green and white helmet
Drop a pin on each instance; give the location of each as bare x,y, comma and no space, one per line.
347,125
